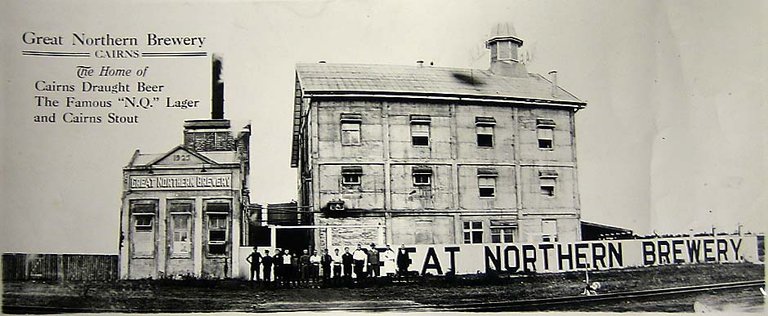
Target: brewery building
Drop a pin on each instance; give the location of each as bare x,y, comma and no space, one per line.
182,210
431,155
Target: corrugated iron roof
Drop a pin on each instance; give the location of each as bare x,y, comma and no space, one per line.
425,81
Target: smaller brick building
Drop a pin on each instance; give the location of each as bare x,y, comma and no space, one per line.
181,209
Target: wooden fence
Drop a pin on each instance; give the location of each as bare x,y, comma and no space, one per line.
59,267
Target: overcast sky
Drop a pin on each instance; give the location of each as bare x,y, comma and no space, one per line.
672,138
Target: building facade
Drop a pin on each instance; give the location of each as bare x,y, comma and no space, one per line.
431,155
182,210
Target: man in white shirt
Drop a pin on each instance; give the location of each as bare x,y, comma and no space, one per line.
359,257
314,260
337,261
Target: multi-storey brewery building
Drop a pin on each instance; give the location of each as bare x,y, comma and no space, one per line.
432,155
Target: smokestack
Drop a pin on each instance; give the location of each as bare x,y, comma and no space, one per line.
553,75
217,91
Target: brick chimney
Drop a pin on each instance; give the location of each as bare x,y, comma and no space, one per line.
504,45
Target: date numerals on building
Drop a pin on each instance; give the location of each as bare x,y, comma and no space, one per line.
181,157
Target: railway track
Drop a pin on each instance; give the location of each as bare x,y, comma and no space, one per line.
512,305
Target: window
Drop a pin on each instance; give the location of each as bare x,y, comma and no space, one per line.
420,130
487,186
484,128
549,230
143,228
502,234
218,227
144,222
350,128
350,176
180,228
422,176
545,132
547,182
473,232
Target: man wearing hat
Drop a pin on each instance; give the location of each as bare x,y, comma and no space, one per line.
373,262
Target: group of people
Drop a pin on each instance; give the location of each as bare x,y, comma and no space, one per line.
286,267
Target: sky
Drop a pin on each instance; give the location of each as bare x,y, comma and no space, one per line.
670,141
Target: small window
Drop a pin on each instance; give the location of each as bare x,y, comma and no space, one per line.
502,235
547,182
143,231
420,134
217,234
144,223
484,129
549,230
420,130
350,176
422,177
473,232
350,133
218,226
487,186
545,133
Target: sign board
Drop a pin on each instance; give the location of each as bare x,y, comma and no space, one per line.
181,182
562,257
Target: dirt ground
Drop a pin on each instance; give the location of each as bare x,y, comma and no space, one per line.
236,295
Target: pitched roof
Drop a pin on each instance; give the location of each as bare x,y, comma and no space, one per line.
334,79
211,157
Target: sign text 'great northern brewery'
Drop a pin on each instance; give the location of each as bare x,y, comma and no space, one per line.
561,257
181,182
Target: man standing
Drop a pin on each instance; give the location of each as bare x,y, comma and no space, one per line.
403,261
347,261
337,261
389,257
359,256
255,260
266,262
286,266
314,261
304,264
277,260
373,262
326,261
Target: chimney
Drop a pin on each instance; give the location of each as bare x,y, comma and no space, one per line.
217,91
553,76
504,45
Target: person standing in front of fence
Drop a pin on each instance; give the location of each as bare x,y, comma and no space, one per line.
347,261
403,261
286,266
326,261
305,265
359,256
389,257
314,261
337,263
266,262
254,259
374,263
277,261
